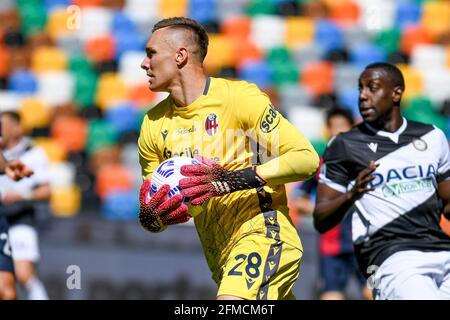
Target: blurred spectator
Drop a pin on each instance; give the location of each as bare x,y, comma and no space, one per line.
19,200
337,261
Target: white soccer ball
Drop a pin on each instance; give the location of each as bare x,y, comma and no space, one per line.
168,172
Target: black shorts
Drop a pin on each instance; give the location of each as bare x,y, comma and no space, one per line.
6,262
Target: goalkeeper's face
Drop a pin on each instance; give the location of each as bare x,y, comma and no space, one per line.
160,61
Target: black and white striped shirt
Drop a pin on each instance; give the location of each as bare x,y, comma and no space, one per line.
403,212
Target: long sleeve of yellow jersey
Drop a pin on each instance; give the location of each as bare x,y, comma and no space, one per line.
290,156
148,156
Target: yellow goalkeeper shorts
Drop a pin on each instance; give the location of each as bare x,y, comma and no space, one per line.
261,268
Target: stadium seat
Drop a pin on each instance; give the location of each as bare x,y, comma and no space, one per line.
7,5
141,96
284,73
122,117
436,84
293,95
299,30
61,174
71,132
246,51
355,35
111,89
220,53
413,81
344,13
121,205
56,88
307,119
425,57
9,100
413,36
227,9
5,57
22,82
328,35
122,22
54,150
237,28
364,54
96,23
59,22
318,77
204,11
111,178
87,3
134,9
256,72
388,39
173,8
130,70
33,17
377,15
268,31
348,98
46,59
424,110
261,7
408,13
126,41
66,202
101,48
436,17
100,134
70,44
34,113
346,76
129,156
85,87
51,5
79,63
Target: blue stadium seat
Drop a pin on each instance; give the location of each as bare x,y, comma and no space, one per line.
364,54
407,13
256,72
328,35
122,117
121,22
121,205
126,41
204,11
23,82
51,4
348,98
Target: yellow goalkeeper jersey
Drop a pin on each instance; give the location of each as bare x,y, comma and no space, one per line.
235,124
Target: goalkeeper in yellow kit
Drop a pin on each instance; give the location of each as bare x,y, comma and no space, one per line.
249,151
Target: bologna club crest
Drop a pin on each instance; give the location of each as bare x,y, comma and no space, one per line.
212,124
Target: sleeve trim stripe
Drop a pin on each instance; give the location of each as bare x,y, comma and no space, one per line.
332,185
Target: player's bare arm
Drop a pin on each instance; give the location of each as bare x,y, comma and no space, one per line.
332,205
444,193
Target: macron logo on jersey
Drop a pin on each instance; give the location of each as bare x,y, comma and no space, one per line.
373,146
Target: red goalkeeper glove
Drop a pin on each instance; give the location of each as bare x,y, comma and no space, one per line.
155,214
210,179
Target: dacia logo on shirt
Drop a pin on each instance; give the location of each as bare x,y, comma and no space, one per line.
270,119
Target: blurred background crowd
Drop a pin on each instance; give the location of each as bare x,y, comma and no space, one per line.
71,69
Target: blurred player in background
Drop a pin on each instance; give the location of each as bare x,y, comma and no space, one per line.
337,260
16,170
394,176
19,201
250,243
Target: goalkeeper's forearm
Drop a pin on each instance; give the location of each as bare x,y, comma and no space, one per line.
292,166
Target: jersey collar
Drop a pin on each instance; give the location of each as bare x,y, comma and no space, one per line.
394,136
